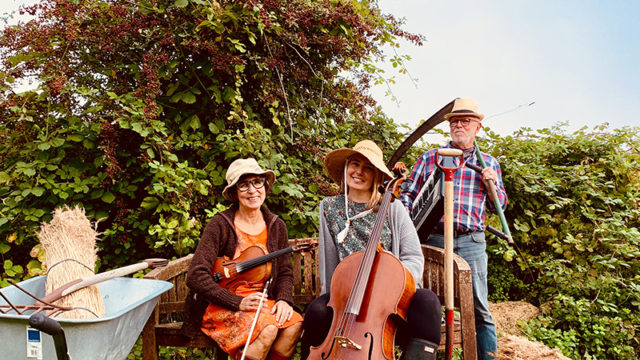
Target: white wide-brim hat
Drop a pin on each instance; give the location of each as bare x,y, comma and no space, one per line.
241,167
335,160
464,107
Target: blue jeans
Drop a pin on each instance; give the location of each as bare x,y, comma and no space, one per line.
472,248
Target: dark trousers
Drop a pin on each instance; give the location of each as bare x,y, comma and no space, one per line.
424,321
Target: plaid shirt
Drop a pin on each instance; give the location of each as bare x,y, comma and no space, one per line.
468,190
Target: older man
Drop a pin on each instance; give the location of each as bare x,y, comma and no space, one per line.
470,203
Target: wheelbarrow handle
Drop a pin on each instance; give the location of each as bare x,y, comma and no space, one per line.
52,327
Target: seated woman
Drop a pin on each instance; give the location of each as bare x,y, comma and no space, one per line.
346,223
227,316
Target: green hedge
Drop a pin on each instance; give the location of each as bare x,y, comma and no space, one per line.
573,210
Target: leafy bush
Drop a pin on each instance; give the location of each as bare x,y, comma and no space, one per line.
573,208
141,105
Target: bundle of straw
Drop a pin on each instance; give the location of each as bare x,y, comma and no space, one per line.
69,242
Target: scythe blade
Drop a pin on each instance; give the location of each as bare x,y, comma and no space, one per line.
429,124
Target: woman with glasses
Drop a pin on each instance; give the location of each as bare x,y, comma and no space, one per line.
227,316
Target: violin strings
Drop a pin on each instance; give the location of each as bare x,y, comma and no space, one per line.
261,259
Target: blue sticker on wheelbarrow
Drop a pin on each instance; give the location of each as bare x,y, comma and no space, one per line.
34,344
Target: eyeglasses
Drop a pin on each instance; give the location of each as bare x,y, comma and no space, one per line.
258,183
464,122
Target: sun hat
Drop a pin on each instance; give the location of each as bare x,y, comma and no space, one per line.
464,107
335,160
241,167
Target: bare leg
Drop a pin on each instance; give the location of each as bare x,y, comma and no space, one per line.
287,339
259,348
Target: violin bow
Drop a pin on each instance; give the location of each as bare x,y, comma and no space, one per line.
255,319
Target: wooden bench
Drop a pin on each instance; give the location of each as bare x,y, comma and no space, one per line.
165,322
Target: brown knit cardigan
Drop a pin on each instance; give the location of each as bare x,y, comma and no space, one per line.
219,239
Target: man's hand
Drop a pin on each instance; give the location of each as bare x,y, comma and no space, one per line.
489,174
283,312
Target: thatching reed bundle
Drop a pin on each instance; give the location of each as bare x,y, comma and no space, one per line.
69,242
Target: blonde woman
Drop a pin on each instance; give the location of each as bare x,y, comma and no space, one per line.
346,222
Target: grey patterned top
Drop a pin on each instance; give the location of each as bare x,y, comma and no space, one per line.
359,230
404,242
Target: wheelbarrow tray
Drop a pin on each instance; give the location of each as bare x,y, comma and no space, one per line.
128,304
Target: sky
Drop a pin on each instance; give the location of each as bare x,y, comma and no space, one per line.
528,63
577,61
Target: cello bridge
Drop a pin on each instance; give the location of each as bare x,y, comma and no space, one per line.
347,343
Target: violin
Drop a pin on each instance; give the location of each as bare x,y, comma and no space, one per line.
370,289
251,266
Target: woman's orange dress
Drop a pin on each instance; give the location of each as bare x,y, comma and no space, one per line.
230,328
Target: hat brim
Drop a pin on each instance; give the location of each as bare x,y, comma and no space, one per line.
271,178
335,160
476,115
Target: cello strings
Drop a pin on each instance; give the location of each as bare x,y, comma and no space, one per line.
358,290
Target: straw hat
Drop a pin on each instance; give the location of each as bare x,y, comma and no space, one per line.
464,107
335,160
241,167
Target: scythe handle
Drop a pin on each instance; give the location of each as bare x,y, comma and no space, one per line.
493,195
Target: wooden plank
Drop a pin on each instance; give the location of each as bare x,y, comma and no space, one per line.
297,277
309,259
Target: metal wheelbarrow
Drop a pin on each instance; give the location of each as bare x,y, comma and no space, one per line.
128,303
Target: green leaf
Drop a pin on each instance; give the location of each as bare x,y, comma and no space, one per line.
4,248
4,177
34,264
149,203
44,146
96,194
172,88
57,142
188,98
172,224
75,137
108,197
37,191
192,122
181,3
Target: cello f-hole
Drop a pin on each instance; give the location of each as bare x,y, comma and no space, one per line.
325,357
368,334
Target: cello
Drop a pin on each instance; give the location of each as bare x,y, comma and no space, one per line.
367,288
